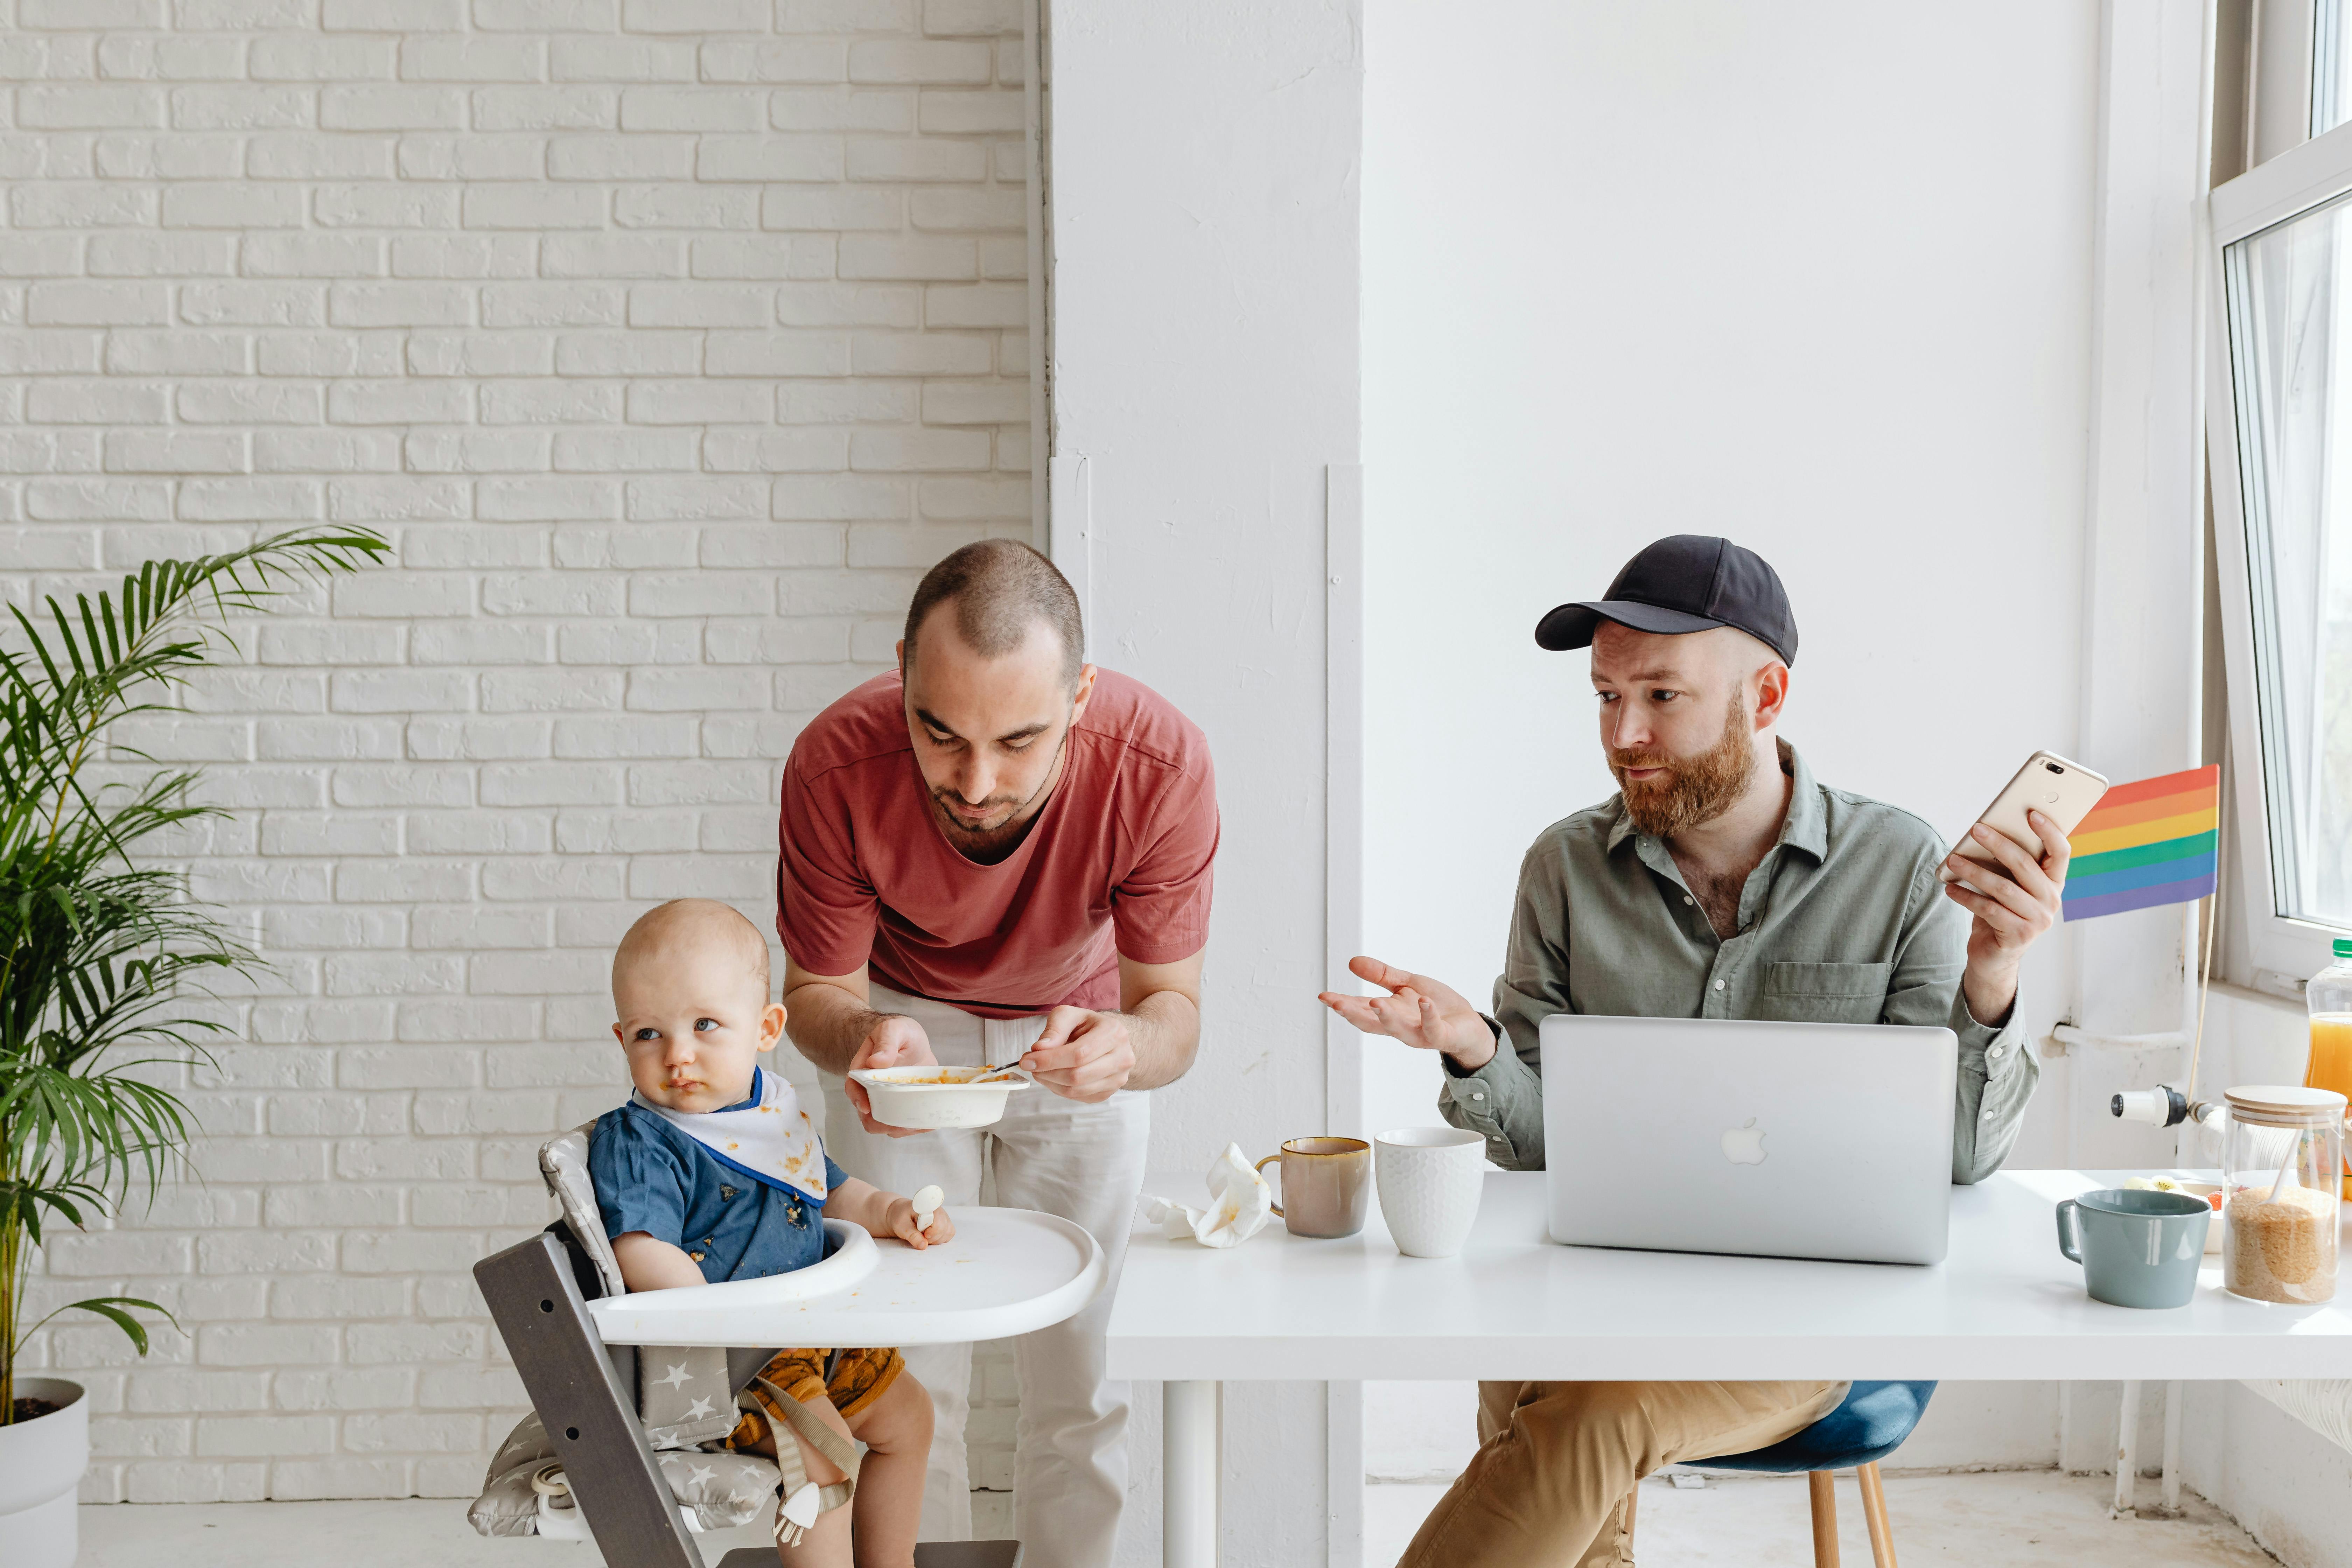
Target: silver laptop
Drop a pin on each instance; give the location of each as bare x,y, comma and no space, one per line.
1719,1135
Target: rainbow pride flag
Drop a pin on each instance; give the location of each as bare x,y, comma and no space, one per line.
2144,844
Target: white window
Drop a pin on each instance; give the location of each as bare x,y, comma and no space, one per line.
2279,415
2331,65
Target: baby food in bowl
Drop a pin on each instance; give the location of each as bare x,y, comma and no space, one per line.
2209,1190
938,1097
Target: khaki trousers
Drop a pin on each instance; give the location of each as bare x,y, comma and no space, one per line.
1548,1486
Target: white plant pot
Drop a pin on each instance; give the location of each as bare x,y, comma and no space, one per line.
41,1462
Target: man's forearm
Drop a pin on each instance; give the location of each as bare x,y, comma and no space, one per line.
827,1024
1475,1050
1990,996
1164,1028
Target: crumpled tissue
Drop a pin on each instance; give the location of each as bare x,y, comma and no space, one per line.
1242,1204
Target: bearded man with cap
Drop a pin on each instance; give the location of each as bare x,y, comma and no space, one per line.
1722,881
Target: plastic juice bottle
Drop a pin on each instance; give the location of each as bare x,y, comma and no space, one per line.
2329,998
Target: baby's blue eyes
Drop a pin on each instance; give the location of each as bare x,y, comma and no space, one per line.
701,1026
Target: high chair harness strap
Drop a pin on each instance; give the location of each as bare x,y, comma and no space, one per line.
800,1502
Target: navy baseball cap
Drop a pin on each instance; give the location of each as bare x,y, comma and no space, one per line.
1686,583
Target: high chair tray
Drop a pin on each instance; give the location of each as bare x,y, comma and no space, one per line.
1008,1271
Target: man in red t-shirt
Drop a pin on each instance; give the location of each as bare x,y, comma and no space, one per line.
1000,854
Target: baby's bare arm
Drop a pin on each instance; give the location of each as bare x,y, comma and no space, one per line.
887,1215
649,1263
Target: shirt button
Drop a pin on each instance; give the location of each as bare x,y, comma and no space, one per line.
1995,1052
1718,985
1988,1116
1688,900
1479,1096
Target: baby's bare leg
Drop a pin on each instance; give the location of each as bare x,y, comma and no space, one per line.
827,1545
896,1432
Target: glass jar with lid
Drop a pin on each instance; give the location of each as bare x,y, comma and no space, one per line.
2282,1178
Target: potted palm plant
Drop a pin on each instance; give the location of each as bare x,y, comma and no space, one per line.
102,956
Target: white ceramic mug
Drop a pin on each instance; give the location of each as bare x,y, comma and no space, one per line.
1429,1180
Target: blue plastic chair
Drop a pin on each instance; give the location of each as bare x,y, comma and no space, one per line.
1870,1424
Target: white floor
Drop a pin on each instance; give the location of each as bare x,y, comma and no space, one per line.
1992,1520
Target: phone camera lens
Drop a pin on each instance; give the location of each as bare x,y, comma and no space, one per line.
2053,767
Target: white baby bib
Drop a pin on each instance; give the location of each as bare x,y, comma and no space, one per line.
769,1139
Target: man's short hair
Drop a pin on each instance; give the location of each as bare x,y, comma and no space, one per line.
1000,588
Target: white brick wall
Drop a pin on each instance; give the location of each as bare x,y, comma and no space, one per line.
669,340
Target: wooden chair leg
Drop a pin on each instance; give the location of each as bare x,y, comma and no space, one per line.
1825,1545
1874,1510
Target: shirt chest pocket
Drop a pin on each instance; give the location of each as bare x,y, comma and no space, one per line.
1823,993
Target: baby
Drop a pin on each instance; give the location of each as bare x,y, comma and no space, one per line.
711,1172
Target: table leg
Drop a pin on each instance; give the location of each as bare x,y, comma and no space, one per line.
1187,1471
2172,1448
2127,1451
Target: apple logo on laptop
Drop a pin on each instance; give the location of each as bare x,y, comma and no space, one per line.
1744,1145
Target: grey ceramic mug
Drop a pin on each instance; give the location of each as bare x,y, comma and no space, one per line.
2137,1249
1327,1184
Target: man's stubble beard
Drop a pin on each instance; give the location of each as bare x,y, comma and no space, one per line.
1697,789
987,845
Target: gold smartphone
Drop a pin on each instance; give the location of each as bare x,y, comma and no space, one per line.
2063,790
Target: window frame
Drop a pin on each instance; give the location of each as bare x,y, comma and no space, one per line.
2328,20
2306,176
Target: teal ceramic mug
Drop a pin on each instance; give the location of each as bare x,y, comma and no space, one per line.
2137,1249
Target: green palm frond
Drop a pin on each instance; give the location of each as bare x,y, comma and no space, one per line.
100,954
112,1307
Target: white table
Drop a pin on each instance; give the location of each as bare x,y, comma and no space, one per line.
1514,1305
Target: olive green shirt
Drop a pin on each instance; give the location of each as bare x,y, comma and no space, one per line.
1844,922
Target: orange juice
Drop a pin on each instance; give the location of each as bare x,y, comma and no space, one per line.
2331,1059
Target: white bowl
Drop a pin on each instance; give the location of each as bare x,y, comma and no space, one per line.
2195,1189
937,1097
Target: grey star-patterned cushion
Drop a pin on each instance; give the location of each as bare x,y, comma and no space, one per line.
563,1165
723,1489
507,1506
683,1396
720,1489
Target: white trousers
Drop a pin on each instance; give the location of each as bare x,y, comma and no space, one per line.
1084,1163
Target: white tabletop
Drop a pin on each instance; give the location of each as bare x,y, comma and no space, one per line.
2005,1304
1008,1271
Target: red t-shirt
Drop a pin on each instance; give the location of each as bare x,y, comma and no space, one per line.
1117,862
